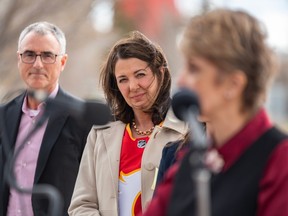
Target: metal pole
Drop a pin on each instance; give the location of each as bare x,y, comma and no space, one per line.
200,174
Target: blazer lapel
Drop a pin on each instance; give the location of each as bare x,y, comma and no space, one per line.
12,120
55,124
52,132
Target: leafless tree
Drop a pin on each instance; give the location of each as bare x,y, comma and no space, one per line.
70,15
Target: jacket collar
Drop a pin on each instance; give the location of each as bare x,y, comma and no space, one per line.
173,123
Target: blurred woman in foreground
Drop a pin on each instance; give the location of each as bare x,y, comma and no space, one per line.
230,67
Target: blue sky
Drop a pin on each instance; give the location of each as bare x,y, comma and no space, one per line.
273,13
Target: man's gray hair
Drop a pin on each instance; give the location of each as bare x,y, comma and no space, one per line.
44,28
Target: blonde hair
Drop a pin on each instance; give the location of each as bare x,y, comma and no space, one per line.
233,41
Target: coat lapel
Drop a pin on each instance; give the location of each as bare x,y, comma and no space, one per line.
113,142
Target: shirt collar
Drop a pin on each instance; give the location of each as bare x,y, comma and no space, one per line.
32,113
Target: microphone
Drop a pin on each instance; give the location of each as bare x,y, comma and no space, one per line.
186,107
89,112
182,101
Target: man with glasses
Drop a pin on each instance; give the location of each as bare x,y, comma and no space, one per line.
52,154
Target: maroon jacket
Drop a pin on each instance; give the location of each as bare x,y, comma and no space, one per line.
273,186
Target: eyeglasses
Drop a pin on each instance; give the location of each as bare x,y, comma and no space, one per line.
29,57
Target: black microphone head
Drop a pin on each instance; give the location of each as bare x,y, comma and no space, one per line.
97,113
91,112
183,100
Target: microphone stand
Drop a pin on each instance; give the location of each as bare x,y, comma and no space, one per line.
200,174
53,195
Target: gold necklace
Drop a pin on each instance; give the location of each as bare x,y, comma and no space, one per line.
142,133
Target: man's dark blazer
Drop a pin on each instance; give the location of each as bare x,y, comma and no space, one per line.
59,155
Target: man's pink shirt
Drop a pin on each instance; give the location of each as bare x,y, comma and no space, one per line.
25,165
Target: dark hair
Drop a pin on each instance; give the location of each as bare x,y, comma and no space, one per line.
233,41
136,45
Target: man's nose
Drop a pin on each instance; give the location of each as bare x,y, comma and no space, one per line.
38,62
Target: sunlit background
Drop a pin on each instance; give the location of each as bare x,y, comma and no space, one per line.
92,26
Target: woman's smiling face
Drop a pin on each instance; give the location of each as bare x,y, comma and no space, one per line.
136,82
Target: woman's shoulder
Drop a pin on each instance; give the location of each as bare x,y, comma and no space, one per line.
171,122
109,125
112,130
